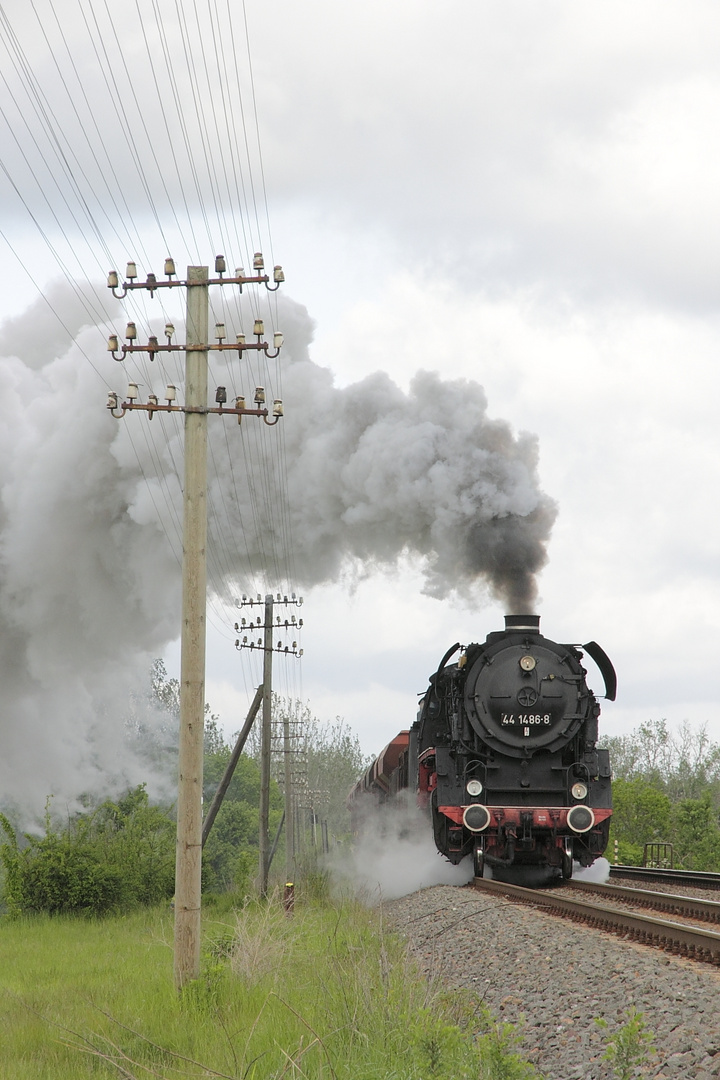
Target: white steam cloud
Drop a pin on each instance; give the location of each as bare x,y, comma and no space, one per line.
395,855
599,872
90,510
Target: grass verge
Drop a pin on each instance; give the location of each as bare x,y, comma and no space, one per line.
326,995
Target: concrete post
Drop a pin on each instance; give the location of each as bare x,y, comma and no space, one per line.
192,657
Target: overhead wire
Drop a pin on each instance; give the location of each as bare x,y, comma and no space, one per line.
230,127
48,122
290,546
141,117
221,137
123,211
48,302
171,143
202,125
46,116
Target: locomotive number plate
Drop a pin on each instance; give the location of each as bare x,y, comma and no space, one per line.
524,719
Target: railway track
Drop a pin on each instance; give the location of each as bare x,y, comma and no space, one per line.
696,878
682,939
689,907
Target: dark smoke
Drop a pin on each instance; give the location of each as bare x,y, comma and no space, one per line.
509,551
376,472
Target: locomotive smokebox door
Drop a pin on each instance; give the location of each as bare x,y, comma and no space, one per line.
524,693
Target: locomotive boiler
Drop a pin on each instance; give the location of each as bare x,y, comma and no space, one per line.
504,755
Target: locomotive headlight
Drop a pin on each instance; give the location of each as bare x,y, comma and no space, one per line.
580,819
579,791
528,663
473,787
476,817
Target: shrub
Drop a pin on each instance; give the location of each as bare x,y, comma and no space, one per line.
116,856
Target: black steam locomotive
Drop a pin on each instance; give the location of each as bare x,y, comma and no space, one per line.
504,755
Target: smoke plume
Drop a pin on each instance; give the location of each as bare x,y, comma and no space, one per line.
375,472
90,510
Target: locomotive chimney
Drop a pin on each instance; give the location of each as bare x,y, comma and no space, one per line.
523,622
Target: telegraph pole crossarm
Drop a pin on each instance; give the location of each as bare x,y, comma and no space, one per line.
131,404
153,347
152,283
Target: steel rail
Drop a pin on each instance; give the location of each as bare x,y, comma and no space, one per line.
691,906
693,942
701,879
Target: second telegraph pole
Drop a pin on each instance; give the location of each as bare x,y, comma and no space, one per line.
268,646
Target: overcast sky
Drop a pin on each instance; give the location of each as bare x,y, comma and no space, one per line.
524,195
520,195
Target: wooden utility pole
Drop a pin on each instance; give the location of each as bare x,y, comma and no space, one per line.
192,656
289,825
266,747
194,564
299,845
268,645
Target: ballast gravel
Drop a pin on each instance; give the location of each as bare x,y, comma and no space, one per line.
552,978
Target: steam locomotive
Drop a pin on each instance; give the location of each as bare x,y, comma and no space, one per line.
504,755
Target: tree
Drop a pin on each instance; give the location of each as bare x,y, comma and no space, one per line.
695,833
696,766
326,758
116,856
164,692
641,814
153,723
233,844
335,761
646,752
667,787
684,764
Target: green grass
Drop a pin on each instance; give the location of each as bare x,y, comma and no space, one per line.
326,995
